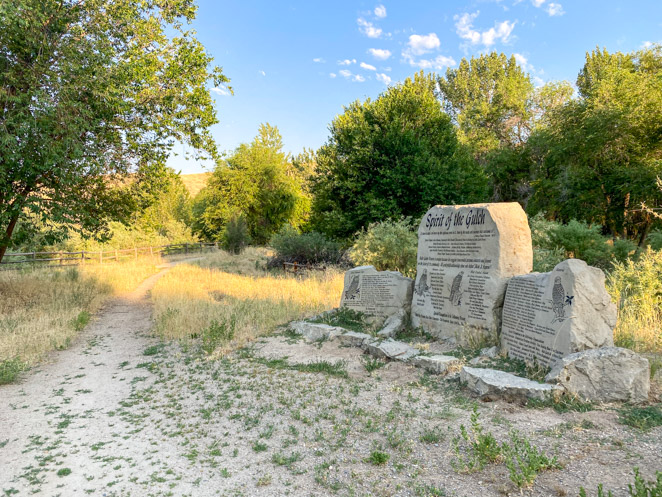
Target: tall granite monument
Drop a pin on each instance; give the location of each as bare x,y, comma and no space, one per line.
466,253
547,316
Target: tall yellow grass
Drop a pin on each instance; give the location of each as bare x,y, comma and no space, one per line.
237,291
43,309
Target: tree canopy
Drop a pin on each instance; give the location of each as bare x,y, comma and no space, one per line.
91,90
391,157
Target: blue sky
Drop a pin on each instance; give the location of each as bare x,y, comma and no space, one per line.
296,64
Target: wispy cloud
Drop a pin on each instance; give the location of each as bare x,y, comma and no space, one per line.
347,74
358,78
319,60
262,73
438,63
465,29
384,78
379,53
222,90
380,11
555,9
346,62
332,75
368,29
367,67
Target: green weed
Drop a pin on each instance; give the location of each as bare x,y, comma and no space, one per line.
378,458
643,418
473,448
371,363
525,461
10,369
640,488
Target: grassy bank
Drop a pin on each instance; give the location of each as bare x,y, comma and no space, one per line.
43,309
228,301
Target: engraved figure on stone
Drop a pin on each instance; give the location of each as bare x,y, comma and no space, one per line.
422,286
560,300
354,290
456,291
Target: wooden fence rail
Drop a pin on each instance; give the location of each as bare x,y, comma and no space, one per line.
15,259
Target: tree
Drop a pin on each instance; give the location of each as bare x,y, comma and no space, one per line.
391,157
253,182
91,90
599,156
489,98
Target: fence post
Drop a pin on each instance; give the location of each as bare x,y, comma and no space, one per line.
186,249
82,257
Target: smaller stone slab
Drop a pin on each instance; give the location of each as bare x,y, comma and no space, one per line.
393,324
314,332
391,349
609,374
492,384
354,339
379,293
436,364
549,315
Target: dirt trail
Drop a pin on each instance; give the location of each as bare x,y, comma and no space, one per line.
54,419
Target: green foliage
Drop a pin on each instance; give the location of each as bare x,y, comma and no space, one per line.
642,418
343,317
372,363
304,248
153,349
81,320
554,242
562,404
111,87
64,472
235,235
597,158
655,239
391,157
10,369
253,181
432,435
387,245
641,487
338,368
525,461
378,458
218,333
473,448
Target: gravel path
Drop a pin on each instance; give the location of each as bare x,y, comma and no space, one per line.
121,414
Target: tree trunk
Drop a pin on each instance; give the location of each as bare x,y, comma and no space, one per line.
4,241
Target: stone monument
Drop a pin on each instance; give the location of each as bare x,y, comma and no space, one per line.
378,293
551,315
466,253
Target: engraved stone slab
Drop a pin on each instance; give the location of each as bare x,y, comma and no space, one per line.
380,293
466,253
550,315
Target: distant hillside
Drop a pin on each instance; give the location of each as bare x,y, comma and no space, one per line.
195,182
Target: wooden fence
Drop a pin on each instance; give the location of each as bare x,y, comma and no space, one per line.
16,259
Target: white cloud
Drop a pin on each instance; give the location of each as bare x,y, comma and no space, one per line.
537,3
368,29
384,78
438,63
465,29
332,75
555,9
380,53
346,62
380,11
367,67
319,60
358,78
420,44
345,73
522,61
262,73
221,90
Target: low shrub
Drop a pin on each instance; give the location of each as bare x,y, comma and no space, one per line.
641,487
304,248
235,236
388,245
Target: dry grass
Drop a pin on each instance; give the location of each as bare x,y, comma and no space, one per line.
44,309
229,300
195,182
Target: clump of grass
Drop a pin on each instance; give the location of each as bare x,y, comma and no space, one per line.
259,301
378,458
218,333
81,320
330,368
371,363
64,472
562,404
153,349
431,435
641,487
642,418
10,369
344,317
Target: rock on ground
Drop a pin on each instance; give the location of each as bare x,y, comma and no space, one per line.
314,332
393,324
436,364
354,339
492,384
609,374
392,349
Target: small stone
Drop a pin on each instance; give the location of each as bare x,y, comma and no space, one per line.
492,384
391,349
608,374
490,352
393,324
436,364
314,332
354,339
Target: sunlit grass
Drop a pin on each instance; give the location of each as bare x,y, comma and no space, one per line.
43,309
236,294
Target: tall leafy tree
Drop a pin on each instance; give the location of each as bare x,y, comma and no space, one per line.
391,157
254,182
91,89
600,155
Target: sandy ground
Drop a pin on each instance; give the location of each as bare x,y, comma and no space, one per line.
120,414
